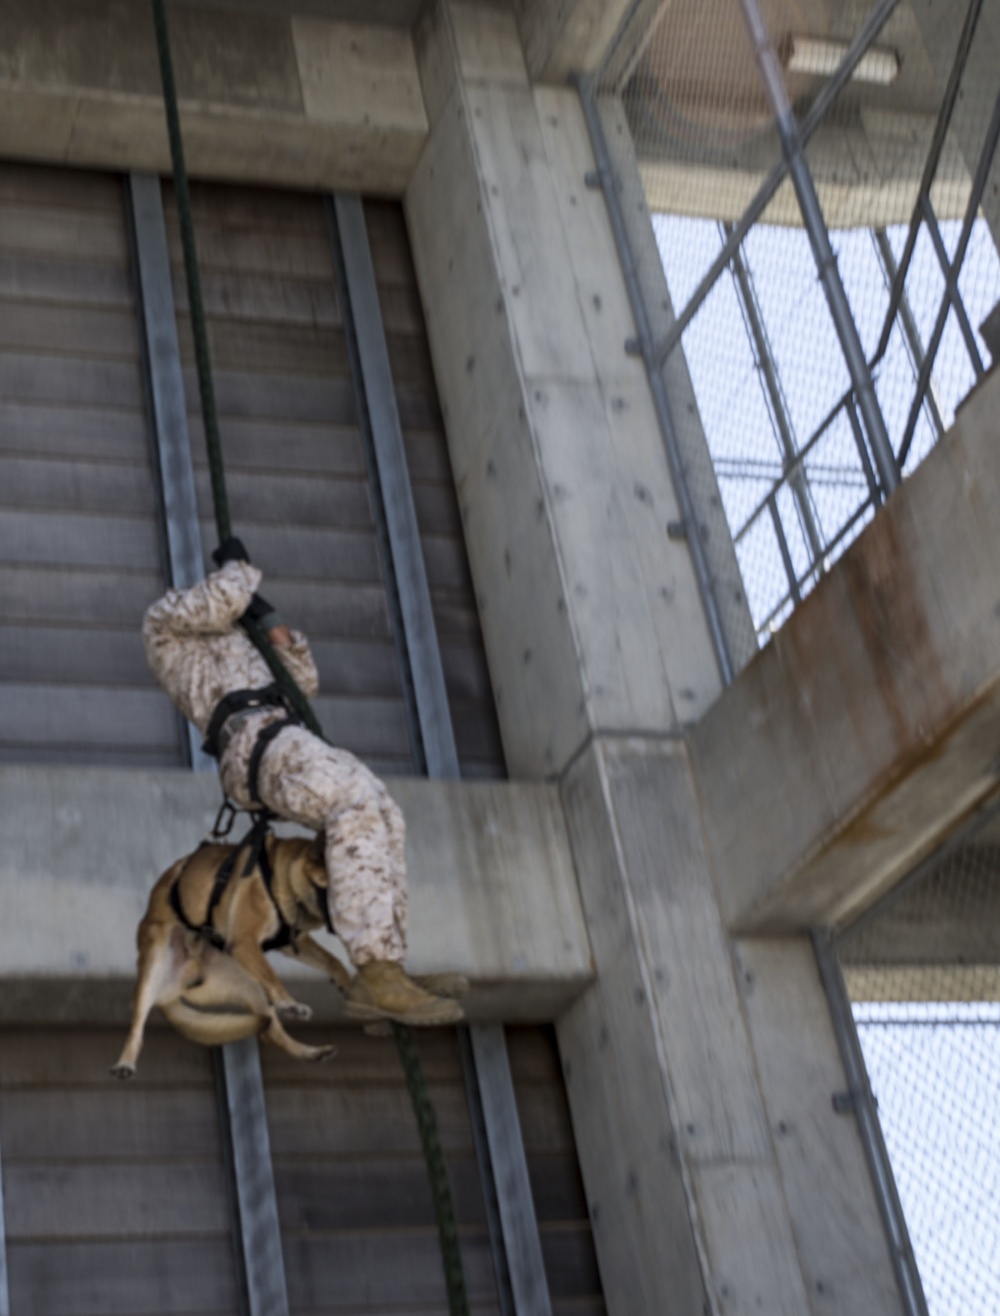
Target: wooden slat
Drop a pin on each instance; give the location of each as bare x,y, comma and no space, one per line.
143,758
94,331
67,234
100,1200
347,1271
76,486
40,430
307,499
106,1122
72,1058
271,348
37,279
278,397
281,446
94,716
306,552
372,1118
59,654
71,381
255,250
261,298
59,594
132,1277
387,1194
40,538
46,185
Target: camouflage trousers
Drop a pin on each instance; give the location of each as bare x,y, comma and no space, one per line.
307,781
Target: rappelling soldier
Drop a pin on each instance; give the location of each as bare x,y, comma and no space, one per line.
217,678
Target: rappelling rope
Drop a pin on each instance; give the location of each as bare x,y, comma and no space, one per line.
416,1082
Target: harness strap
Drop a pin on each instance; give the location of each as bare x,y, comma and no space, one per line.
206,929
268,696
263,740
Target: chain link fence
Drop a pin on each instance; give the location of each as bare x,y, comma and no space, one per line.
895,111
923,974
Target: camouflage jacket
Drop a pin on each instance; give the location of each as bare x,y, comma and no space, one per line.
197,652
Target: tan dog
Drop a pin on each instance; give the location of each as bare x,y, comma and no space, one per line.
223,992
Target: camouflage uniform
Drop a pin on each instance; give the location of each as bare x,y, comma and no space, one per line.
198,654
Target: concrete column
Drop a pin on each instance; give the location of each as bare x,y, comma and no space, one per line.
700,1072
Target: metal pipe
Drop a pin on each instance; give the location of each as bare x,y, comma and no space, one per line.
911,333
786,557
869,1129
668,431
793,472
829,92
826,261
975,197
930,169
951,287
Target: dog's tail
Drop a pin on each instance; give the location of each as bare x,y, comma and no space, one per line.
214,1022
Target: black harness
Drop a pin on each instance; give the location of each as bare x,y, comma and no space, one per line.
257,856
238,701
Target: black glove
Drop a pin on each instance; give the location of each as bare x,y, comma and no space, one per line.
265,614
230,550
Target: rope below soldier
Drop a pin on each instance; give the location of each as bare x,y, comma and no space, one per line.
217,678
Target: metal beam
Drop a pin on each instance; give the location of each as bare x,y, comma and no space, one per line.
911,332
168,421
246,1123
518,1263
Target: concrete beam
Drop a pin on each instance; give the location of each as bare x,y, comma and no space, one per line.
492,889
561,37
870,725
278,98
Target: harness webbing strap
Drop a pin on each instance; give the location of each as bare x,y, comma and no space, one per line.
264,739
238,701
206,929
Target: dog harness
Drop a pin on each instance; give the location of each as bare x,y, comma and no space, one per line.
241,701
257,856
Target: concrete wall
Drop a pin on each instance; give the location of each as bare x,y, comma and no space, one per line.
699,1070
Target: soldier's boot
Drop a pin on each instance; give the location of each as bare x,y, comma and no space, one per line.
383,990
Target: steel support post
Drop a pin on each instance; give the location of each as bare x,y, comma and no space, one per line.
519,1267
819,238
862,1102
668,431
831,89
245,1125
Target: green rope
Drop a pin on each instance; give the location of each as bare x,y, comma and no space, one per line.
416,1081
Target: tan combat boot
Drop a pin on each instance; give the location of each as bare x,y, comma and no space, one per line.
382,990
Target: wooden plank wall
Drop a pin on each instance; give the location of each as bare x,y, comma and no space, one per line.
79,547
114,1194
294,462
353,1198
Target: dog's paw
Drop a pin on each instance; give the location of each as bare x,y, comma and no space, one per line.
323,1053
295,1010
123,1071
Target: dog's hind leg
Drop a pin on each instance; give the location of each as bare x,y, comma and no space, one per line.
248,955
164,969
276,1035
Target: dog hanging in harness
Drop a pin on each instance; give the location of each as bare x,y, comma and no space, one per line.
267,759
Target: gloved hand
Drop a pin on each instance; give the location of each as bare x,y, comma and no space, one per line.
262,612
230,550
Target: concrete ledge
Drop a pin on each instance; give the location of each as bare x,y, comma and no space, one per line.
287,100
493,892
871,723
